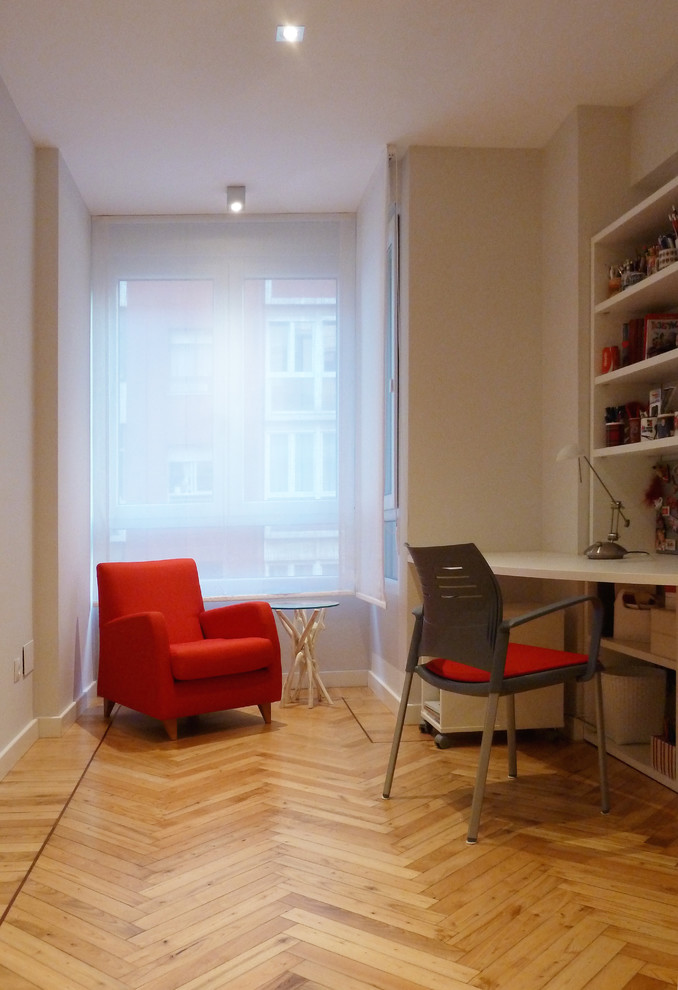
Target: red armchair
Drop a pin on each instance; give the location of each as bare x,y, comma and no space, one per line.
163,654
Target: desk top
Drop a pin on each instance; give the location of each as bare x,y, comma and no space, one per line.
635,569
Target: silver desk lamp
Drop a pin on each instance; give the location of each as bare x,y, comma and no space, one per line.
607,549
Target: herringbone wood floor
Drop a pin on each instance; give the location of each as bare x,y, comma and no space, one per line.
255,857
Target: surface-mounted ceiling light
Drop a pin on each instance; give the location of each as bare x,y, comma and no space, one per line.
290,33
235,198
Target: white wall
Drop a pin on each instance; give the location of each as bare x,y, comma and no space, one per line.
386,626
371,229
44,441
62,546
16,418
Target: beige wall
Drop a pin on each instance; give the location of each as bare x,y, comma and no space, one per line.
584,185
654,135
470,436
472,397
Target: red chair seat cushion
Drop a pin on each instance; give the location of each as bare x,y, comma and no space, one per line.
520,659
219,657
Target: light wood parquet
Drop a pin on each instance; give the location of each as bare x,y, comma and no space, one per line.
261,857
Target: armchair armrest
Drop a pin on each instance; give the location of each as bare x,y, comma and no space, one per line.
240,621
134,666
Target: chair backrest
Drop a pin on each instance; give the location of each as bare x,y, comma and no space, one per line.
462,604
168,586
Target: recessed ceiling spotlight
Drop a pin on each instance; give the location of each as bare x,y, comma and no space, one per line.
290,33
235,199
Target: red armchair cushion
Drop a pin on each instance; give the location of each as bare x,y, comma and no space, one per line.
520,659
218,657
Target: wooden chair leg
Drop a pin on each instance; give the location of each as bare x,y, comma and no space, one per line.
400,722
108,708
266,712
171,728
483,764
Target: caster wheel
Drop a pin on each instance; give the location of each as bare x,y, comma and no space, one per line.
425,728
442,741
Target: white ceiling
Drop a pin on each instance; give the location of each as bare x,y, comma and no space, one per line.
157,105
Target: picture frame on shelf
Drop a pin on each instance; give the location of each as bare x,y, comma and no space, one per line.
661,333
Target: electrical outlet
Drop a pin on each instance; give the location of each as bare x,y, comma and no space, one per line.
17,669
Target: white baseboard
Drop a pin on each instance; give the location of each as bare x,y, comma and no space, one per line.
339,678
344,678
18,747
392,700
54,726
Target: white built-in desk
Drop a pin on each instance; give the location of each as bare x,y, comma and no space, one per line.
651,569
634,569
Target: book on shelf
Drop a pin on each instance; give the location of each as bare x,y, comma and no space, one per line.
633,342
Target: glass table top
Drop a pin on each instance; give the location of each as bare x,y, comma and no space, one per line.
302,603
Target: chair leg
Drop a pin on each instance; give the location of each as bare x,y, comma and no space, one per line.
265,712
108,707
510,700
171,728
400,722
483,764
602,747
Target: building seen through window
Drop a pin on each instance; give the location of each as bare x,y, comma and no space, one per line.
225,427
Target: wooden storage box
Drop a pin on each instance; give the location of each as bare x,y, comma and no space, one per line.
664,756
663,632
632,615
633,700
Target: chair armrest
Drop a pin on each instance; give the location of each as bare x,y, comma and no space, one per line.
134,659
596,630
144,633
239,621
537,613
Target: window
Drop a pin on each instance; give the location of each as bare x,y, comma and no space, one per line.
190,474
302,463
191,361
222,399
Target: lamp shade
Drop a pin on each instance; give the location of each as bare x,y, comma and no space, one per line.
569,452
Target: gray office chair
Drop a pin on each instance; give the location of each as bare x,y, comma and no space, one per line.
460,643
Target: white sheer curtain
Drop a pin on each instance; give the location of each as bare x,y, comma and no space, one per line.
372,295
223,399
